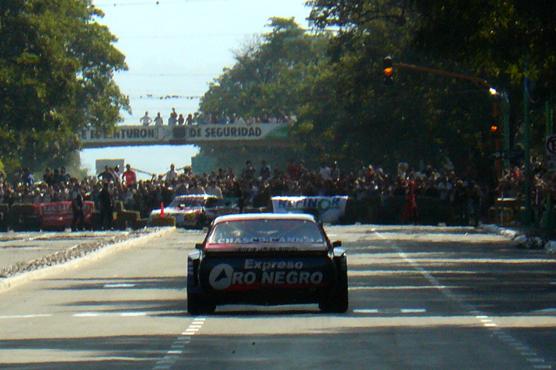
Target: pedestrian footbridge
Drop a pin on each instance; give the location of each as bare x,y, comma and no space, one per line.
132,135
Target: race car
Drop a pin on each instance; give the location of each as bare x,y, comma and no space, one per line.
267,259
196,211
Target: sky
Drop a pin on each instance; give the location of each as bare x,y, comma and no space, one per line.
176,48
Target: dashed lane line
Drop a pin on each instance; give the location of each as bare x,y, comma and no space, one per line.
16,317
120,285
527,353
177,347
389,311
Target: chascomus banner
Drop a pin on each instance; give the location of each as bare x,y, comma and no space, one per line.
329,208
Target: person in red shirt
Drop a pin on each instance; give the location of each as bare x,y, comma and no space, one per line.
129,177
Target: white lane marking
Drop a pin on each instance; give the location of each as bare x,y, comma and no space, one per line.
86,314
497,332
400,287
413,310
132,314
365,310
108,314
542,367
121,285
179,343
32,316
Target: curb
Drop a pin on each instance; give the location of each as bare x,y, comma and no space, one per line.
101,252
522,240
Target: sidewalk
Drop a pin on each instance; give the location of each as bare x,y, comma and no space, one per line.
27,252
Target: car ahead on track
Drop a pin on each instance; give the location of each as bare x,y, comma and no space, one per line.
197,210
267,259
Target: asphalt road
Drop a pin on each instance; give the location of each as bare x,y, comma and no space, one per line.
420,298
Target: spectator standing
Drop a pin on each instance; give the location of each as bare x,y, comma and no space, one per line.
173,119
146,120
189,120
265,171
195,188
249,171
171,175
48,177
77,207
129,177
106,175
214,189
64,176
27,177
158,121
181,120
106,207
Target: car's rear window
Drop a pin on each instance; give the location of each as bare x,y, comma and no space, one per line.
266,231
187,202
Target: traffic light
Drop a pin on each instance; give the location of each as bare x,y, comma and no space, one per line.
388,70
494,128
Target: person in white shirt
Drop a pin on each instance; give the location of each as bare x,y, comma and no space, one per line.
214,189
172,174
158,121
146,120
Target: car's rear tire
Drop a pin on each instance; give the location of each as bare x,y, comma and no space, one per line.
337,301
198,304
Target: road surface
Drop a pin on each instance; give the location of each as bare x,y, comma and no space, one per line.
420,298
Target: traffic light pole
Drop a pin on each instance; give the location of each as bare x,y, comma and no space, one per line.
547,221
506,127
503,96
528,215
440,72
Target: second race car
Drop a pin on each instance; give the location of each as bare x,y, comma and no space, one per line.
197,210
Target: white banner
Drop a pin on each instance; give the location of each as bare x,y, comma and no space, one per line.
236,132
329,208
129,135
148,135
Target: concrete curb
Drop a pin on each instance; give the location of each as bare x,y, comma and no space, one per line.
103,251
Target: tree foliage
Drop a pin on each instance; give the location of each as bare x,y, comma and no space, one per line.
56,76
267,80
346,112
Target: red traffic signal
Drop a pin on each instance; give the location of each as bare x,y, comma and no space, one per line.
388,70
494,128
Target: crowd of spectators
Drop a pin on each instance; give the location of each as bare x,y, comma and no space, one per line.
179,119
253,186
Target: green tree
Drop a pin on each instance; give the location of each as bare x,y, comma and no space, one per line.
56,76
502,40
266,81
421,118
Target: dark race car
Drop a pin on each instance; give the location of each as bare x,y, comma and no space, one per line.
267,259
